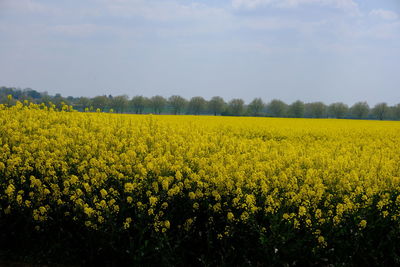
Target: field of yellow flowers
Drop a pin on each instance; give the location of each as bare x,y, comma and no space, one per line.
198,189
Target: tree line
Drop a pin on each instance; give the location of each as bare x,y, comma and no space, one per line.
199,106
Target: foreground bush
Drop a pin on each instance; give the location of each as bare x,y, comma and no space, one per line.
166,190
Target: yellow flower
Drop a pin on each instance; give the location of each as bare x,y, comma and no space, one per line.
10,190
103,193
192,195
127,223
153,200
129,187
321,241
362,224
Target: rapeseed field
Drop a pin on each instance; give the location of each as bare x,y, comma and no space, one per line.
272,181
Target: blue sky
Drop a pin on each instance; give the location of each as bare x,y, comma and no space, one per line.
313,50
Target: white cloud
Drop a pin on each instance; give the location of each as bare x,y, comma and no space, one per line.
347,5
384,14
279,23
25,6
162,10
250,4
382,31
78,30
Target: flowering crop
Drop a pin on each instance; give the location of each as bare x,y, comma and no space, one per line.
173,174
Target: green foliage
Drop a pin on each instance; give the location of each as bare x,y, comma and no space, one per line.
360,110
315,110
216,105
177,103
338,110
138,104
198,105
297,109
158,103
276,108
381,111
236,107
256,107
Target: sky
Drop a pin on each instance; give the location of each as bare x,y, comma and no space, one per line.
312,50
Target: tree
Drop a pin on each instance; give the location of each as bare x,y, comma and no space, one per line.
157,103
197,105
59,101
138,103
32,93
236,106
177,103
46,99
100,102
338,110
83,102
276,108
380,111
216,105
396,112
296,109
316,110
119,103
360,110
256,107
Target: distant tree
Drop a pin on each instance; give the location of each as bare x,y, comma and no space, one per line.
360,110
236,106
197,105
137,104
5,91
158,103
276,108
46,99
256,107
216,105
83,102
8,100
59,101
316,109
396,112
16,93
380,111
100,102
119,103
32,93
338,110
177,103
296,109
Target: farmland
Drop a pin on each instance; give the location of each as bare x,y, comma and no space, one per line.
135,187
